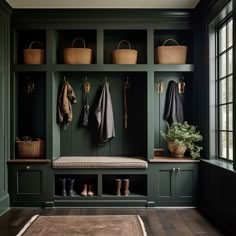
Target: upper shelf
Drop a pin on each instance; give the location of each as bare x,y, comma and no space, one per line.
105,67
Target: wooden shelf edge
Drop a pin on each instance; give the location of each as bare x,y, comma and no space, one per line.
172,159
29,161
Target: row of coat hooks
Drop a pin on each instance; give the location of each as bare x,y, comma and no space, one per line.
180,84
87,84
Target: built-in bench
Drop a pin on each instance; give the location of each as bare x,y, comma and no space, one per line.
72,162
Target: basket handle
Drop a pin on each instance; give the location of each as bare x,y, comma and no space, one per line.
118,46
41,45
170,40
76,39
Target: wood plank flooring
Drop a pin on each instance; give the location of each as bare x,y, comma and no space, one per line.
158,222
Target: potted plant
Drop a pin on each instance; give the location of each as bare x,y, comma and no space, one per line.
182,137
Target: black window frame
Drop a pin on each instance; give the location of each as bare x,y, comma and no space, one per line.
219,79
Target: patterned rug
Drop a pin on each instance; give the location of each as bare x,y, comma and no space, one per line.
99,225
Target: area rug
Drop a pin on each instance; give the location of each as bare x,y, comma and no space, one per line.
99,225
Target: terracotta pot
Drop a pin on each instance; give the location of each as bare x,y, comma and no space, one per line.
176,149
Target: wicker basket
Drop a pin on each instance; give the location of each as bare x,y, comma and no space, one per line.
78,55
124,56
171,54
34,56
30,149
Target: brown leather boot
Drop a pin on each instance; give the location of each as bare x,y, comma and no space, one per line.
84,191
118,187
126,187
90,190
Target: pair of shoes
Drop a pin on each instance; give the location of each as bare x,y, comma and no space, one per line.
72,192
125,187
87,190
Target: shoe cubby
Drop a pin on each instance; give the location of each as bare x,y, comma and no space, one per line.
130,185
83,141
182,37
65,39
136,38
25,38
30,100
70,185
161,83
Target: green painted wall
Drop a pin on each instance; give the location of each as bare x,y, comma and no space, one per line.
5,103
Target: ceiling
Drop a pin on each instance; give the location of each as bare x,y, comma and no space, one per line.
103,3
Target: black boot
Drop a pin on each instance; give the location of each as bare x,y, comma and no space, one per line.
72,192
63,184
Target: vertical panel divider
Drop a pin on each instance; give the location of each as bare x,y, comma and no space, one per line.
150,94
150,46
52,129
100,46
99,187
150,114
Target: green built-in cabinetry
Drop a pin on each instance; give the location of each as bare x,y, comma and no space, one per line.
103,182
4,102
28,182
217,193
35,114
175,182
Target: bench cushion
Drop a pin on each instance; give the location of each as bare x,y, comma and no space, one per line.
99,162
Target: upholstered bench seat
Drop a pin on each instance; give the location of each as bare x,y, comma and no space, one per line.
99,162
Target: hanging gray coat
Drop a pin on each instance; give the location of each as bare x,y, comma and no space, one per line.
173,104
65,99
104,116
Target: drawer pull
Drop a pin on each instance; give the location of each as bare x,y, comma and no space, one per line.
173,169
27,167
178,169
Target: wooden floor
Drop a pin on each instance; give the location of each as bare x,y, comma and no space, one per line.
158,222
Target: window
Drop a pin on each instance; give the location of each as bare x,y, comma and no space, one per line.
224,85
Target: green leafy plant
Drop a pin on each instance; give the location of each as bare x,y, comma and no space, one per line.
184,134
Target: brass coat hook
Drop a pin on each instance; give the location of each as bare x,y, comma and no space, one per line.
181,86
87,85
160,87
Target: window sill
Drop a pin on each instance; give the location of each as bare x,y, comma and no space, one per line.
221,163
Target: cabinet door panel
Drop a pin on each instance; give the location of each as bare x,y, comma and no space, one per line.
186,180
165,184
185,183
29,182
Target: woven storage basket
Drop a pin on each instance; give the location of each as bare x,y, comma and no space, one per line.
33,55
171,54
30,149
124,56
78,55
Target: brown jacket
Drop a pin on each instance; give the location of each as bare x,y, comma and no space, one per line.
65,99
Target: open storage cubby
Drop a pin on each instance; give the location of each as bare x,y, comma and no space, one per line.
137,185
137,39
163,79
66,37
183,37
80,180
31,104
83,141
23,39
